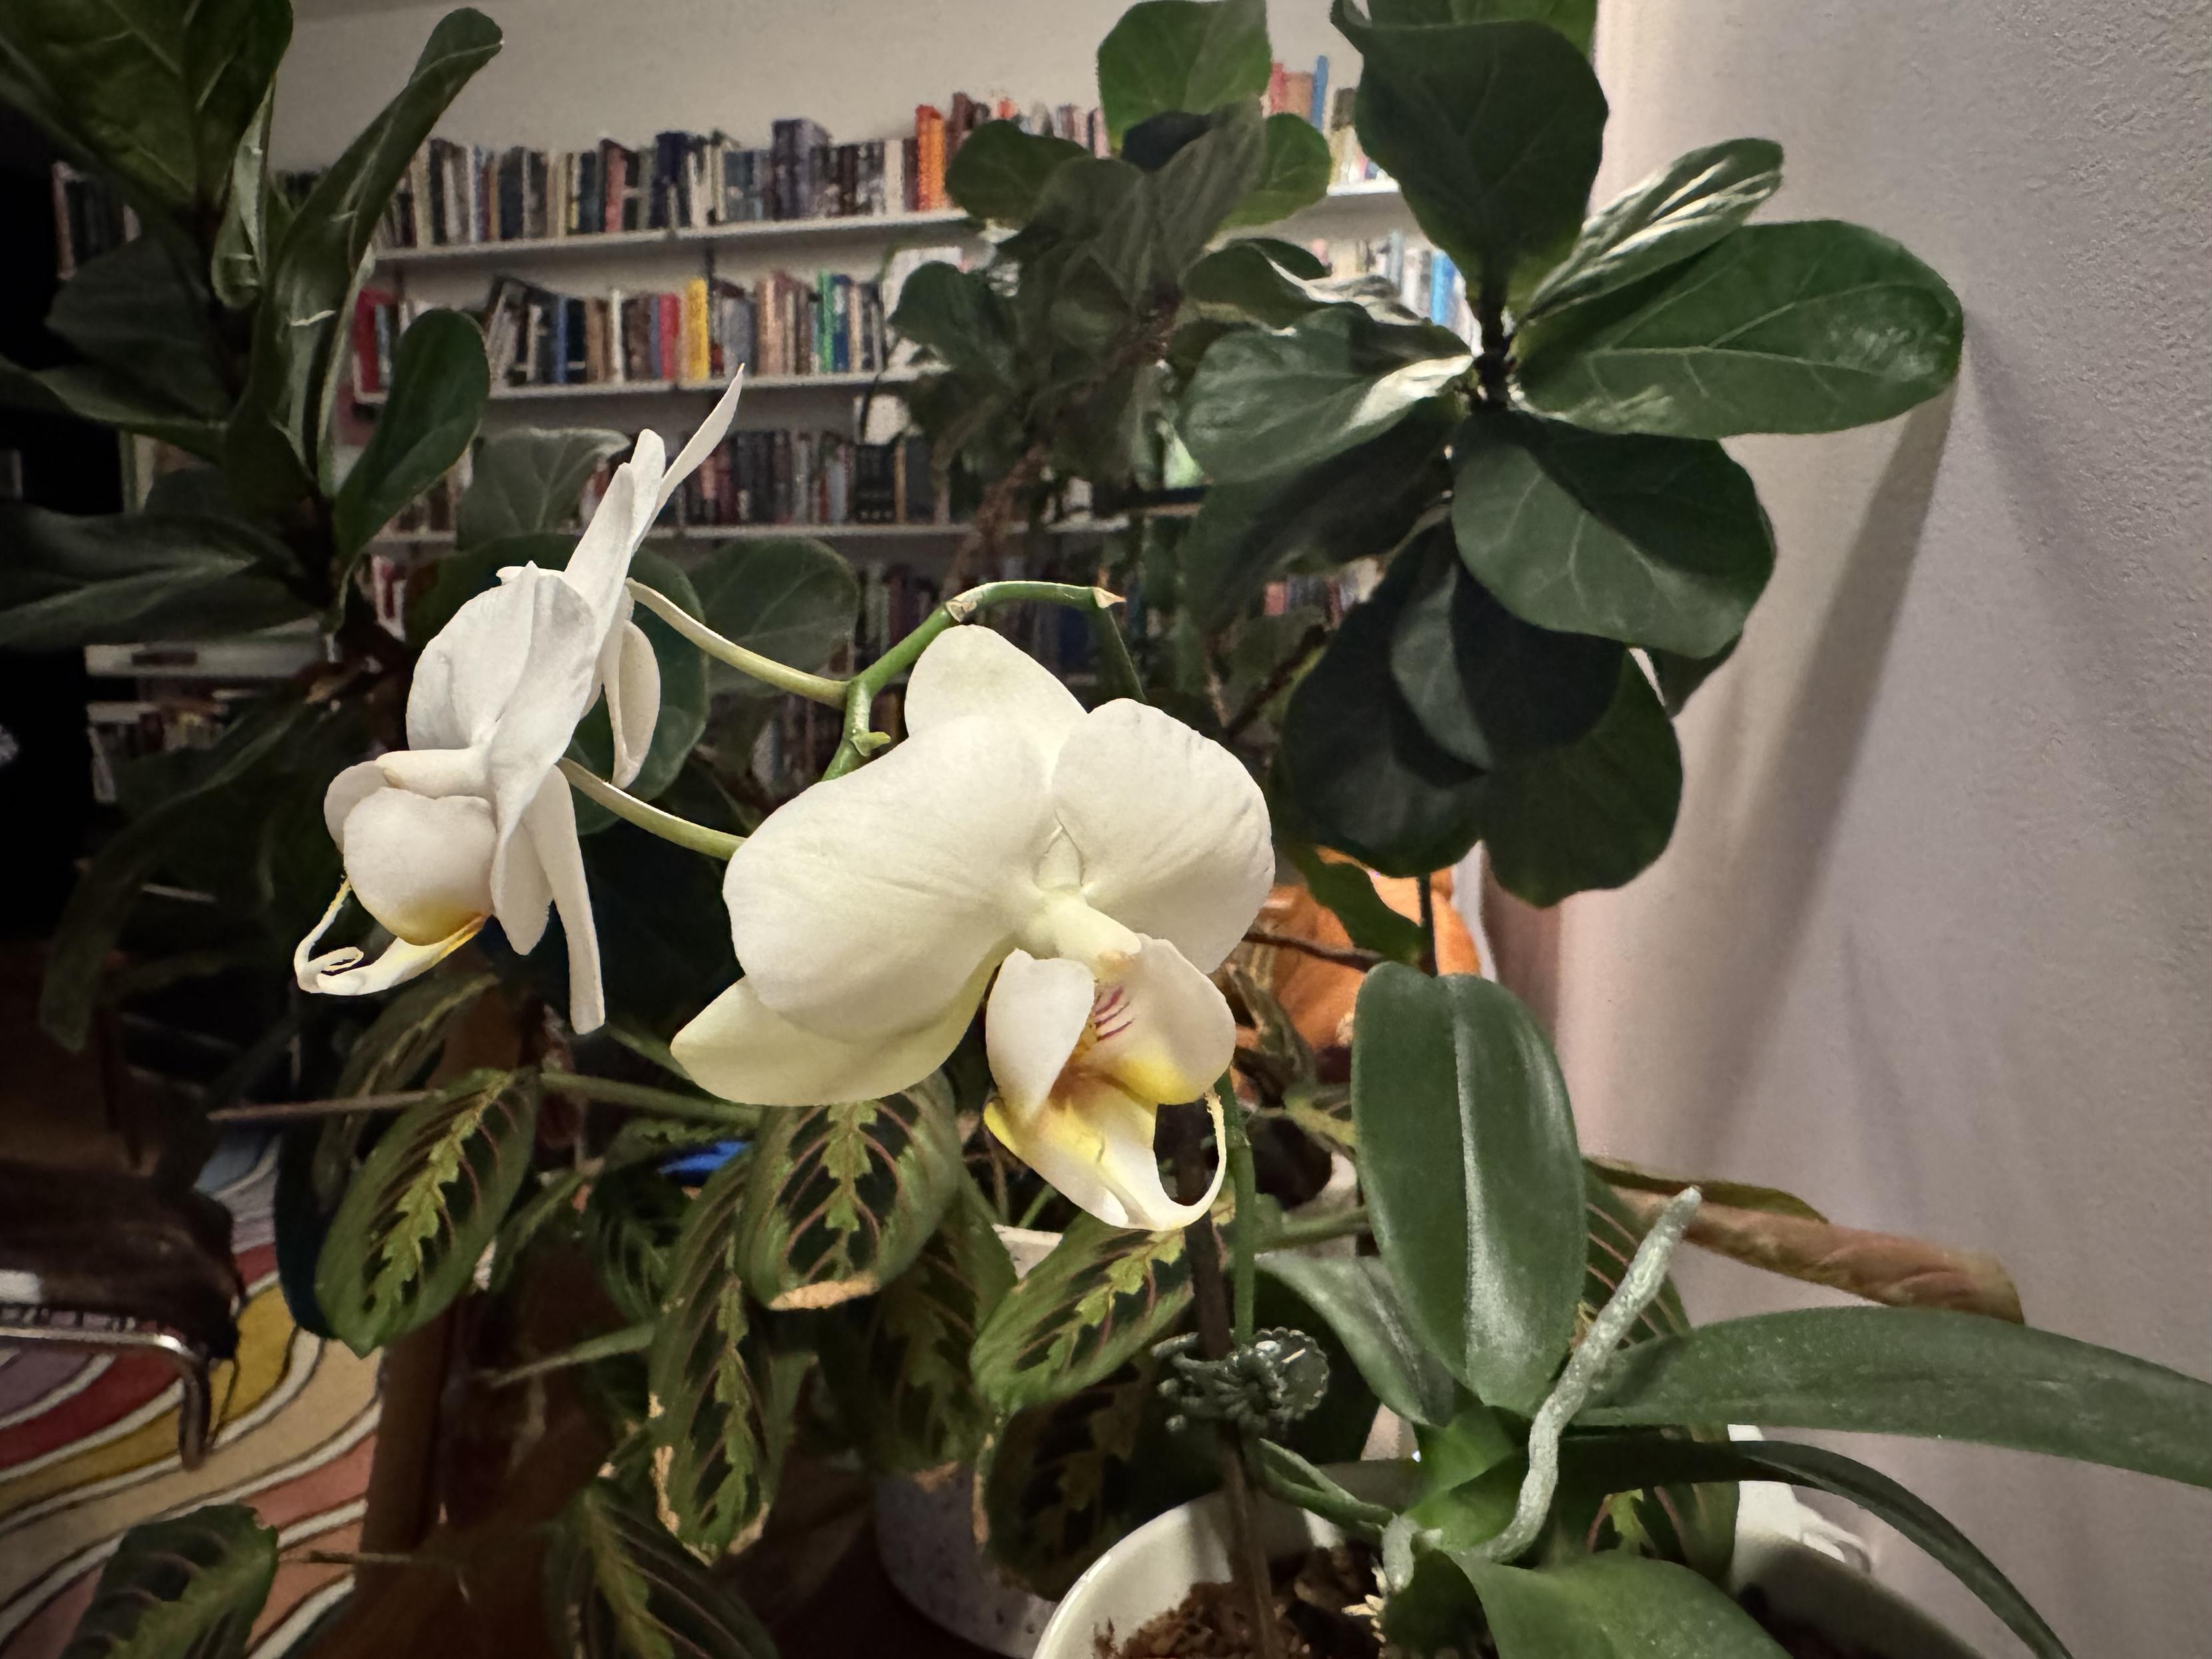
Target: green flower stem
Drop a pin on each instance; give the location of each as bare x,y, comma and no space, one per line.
1319,1231
1117,671
1243,1182
666,825
631,1339
766,670
612,1092
864,688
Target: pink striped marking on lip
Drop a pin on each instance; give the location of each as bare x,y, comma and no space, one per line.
1110,1013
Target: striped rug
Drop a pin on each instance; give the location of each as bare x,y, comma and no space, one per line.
88,1450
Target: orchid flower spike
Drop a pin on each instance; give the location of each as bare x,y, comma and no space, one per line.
471,820
1099,865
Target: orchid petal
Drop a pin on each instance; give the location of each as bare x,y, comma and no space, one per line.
1164,1031
973,670
1036,1016
742,1050
600,562
631,674
1094,1145
862,906
711,432
558,681
554,851
348,790
435,771
467,675
420,865
342,972
1172,829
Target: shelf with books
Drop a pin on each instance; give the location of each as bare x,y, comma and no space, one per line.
858,380
777,233
433,541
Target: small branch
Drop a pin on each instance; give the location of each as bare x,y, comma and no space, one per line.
1426,887
631,1339
1344,956
697,836
292,1111
1497,346
697,1109
815,687
1318,1231
1236,1148
1309,646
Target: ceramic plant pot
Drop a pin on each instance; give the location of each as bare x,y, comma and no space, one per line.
1809,1568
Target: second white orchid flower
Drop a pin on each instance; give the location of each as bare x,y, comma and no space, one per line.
472,820
1100,864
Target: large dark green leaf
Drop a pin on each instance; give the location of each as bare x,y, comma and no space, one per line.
791,598
1242,283
1492,130
182,1589
1293,173
439,385
408,1032
1615,1606
958,315
159,92
1180,55
105,894
140,314
1658,542
273,448
427,1202
618,1587
1063,1481
1347,892
630,1225
1266,403
842,1198
1617,1463
999,169
897,1362
87,392
1593,814
1355,1298
133,577
1680,210
250,225
1576,19
1361,774
725,1400
1102,1295
1474,1182
1487,686
1202,186
1807,327
1918,1372
529,481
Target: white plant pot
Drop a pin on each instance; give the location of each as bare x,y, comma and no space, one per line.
1803,1563
926,1526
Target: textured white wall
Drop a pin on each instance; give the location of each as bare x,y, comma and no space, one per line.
574,69
1933,945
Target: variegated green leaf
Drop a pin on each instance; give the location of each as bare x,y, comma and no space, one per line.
182,1589
1061,1482
618,1587
842,1197
897,1362
428,1199
1692,1524
721,1399
1104,1294
407,1034
632,1221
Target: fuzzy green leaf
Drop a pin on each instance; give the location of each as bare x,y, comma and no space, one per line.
999,169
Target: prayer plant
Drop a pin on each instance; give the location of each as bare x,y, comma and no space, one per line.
999,965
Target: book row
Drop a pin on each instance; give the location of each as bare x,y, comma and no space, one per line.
90,217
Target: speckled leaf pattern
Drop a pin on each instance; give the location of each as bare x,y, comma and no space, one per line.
898,1362
1692,1524
720,1400
842,1197
631,1223
182,1589
427,1200
1102,1296
618,1587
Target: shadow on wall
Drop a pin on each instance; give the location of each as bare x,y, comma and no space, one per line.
1773,879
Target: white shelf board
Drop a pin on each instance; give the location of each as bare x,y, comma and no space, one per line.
725,532
860,227
858,380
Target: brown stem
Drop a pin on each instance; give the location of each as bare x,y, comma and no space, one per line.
1285,671
1344,956
1210,1292
1496,344
1427,889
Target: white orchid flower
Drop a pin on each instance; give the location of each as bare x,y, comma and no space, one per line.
472,819
1100,864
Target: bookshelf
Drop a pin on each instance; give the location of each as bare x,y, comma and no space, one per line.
435,541
858,380
861,228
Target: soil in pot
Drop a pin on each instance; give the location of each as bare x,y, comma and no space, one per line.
1319,1598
